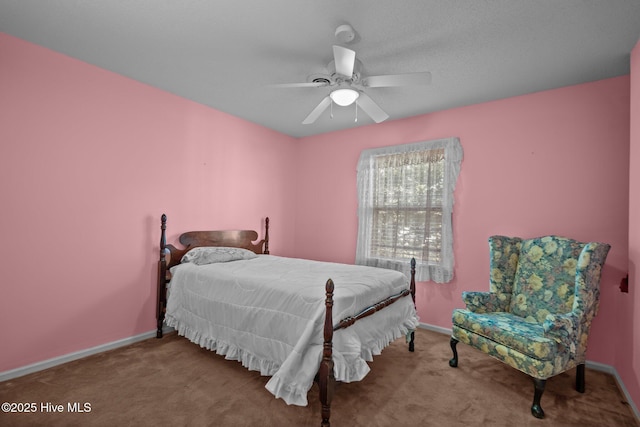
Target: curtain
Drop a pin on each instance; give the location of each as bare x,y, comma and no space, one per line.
405,202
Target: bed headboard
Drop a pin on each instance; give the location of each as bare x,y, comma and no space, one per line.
170,255
192,239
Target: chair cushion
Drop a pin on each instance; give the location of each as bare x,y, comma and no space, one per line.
510,331
546,277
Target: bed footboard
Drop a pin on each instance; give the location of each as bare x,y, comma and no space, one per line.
326,379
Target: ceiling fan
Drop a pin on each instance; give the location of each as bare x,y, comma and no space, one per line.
348,85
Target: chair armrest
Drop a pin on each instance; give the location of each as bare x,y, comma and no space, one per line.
483,302
563,328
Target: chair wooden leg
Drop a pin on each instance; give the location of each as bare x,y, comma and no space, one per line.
536,409
411,342
580,378
453,362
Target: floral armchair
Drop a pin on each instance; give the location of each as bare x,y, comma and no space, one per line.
544,293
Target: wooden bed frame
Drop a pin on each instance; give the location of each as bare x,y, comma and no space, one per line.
171,256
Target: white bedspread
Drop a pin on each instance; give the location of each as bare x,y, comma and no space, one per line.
268,313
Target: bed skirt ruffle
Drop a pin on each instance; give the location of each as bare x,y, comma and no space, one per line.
353,347
229,351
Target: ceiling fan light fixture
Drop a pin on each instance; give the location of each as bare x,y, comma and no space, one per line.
344,97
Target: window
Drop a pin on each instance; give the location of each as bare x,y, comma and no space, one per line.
405,196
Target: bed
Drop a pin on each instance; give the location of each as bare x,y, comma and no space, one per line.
225,292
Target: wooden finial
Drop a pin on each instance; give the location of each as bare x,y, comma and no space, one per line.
163,238
328,324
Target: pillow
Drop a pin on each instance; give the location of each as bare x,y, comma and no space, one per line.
212,254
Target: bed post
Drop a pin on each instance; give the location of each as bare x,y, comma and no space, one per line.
412,289
326,380
266,236
162,273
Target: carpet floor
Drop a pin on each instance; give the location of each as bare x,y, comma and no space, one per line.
172,382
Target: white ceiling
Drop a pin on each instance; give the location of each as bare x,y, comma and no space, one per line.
226,53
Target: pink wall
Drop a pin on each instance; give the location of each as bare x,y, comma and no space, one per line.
628,345
553,162
90,160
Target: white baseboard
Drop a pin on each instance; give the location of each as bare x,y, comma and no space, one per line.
434,328
592,365
611,370
46,364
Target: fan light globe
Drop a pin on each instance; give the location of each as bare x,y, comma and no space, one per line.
344,97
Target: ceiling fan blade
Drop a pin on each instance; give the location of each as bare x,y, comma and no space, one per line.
311,84
391,80
344,59
371,108
317,111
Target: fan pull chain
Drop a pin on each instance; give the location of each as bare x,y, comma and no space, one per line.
331,110
356,111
